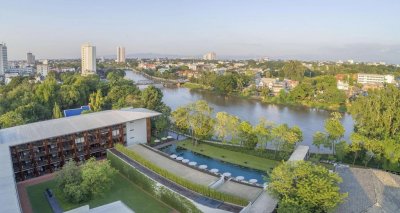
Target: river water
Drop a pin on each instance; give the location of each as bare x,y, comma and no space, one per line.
308,119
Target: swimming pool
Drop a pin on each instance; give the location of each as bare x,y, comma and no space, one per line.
211,163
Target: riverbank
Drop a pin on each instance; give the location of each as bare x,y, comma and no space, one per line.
319,106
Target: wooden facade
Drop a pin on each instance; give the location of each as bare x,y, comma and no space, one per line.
46,156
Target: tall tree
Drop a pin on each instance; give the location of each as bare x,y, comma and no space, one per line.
56,111
151,97
226,126
96,101
294,70
334,129
377,115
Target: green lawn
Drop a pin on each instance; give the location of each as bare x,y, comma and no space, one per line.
122,189
238,158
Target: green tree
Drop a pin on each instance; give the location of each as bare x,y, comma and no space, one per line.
97,176
200,121
180,118
357,142
10,119
263,132
378,114
320,139
285,138
293,70
96,101
295,184
56,111
79,184
334,129
226,126
69,180
151,97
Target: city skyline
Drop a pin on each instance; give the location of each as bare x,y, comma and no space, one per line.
335,30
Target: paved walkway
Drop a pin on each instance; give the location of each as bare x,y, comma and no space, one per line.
174,167
265,203
244,191
206,201
23,193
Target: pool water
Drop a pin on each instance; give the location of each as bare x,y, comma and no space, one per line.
211,163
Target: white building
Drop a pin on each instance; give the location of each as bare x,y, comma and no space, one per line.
88,57
342,85
30,58
120,55
210,56
3,59
363,78
42,69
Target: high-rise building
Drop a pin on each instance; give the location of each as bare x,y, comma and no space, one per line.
210,56
88,54
120,55
3,59
30,58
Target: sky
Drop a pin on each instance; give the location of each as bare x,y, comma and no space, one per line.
362,30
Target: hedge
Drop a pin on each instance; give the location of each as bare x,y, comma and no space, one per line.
175,200
204,190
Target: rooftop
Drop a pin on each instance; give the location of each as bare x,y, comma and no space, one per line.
9,201
69,125
370,190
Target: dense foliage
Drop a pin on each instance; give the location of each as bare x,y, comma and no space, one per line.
303,187
204,190
24,101
81,183
175,200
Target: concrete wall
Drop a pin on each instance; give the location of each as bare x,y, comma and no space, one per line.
136,132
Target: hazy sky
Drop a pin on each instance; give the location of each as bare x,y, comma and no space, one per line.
367,30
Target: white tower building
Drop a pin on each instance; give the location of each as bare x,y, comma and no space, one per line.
120,55
88,57
3,59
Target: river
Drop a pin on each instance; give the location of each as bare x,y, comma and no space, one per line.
308,119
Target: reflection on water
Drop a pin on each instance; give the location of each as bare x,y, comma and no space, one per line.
309,120
211,163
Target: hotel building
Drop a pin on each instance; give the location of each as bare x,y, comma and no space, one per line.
43,147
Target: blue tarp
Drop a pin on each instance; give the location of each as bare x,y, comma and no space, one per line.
77,111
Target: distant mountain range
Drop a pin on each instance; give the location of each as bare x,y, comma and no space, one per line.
160,55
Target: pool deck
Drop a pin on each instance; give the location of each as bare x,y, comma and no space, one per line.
241,190
244,191
174,167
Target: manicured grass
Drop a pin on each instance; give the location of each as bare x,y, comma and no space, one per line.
122,189
238,158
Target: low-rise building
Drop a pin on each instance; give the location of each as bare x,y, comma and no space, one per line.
342,85
39,148
363,78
